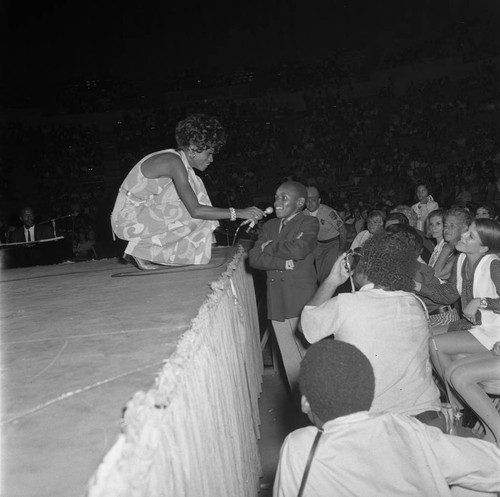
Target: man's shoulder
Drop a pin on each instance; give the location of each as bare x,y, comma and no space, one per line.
301,435
303,218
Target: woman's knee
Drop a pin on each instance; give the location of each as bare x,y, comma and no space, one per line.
459,377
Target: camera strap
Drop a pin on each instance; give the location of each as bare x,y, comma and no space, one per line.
309,462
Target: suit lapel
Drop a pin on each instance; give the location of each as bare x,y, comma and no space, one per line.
288,226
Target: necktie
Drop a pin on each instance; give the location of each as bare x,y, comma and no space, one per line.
29,235
283,224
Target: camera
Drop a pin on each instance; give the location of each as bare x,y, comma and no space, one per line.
352,257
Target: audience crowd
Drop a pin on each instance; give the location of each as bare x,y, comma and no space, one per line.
363,153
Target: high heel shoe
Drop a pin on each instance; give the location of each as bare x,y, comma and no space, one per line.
141,264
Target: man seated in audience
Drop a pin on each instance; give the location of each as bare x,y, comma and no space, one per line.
396,218
351,452
285,250
29,231
386,321
456,223
424,274
331,236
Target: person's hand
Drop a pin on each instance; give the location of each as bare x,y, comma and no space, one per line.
253,213
471,309
339,272
496,349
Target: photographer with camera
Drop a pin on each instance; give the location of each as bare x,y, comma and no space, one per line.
384,320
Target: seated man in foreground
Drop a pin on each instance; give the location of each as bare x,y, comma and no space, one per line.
386,322
350,452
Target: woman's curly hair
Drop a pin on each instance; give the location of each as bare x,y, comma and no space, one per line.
200,131
388,262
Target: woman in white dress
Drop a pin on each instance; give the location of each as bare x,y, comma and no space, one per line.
477,282
163,209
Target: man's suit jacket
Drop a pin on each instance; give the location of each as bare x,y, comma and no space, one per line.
287,290
42,232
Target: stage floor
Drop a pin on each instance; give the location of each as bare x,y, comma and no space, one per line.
77,343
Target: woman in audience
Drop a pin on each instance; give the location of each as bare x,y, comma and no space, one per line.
355,220
476,281
375,224
465,375
485,211
425,205
464,196
435,226
163,209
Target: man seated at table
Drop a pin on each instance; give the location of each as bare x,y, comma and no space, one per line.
29,231
352,452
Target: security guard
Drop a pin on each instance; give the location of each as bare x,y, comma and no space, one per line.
332,233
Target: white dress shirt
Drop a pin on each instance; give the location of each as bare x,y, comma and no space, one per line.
391,329
388,455
31,231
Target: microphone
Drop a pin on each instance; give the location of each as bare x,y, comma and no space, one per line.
251,222
58,218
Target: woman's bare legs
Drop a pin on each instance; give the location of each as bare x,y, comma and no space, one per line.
444,348
465,377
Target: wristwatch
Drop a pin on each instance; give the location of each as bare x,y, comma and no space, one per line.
483,303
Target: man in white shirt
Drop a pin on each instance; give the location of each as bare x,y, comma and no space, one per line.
331,236
351,452
385,321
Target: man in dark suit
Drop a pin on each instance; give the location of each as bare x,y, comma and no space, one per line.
29,232
285,250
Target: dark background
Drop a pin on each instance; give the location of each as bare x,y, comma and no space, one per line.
63,41
62,59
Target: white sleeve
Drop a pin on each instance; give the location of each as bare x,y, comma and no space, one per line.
318,322
466,462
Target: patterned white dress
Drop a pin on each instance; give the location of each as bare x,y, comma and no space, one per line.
149,214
